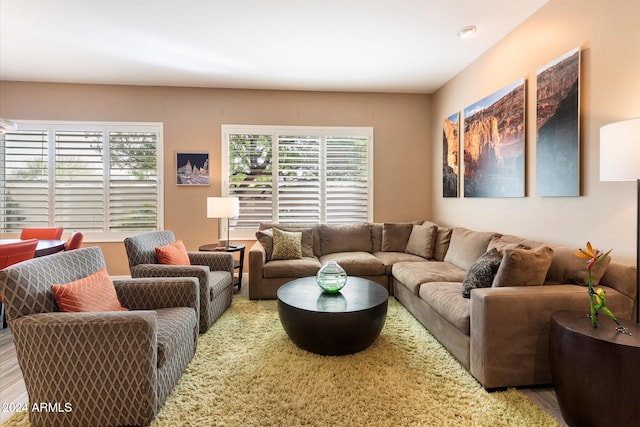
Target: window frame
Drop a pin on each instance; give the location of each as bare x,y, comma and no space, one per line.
106,127
275,131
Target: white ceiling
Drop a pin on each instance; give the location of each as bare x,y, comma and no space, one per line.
327,45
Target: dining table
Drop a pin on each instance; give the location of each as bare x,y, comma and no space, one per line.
44,247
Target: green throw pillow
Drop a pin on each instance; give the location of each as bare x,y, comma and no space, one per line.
286,244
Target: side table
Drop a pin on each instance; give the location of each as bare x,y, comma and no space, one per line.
238,264
595,371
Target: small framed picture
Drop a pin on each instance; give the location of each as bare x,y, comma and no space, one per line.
192,168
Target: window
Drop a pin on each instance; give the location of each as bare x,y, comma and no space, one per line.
297,174
98,178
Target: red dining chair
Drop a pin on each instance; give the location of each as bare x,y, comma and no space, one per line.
13,253
74,241
51,233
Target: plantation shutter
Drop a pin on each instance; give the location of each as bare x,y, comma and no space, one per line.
299,179
347,180
297,174
100,178
133,181
79,180
251,178
24,173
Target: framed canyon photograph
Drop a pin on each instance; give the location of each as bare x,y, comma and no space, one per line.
451,155
192,168
493,139
558,127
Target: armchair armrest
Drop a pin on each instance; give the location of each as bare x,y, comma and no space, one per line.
77,358
161,292
216,261
200,272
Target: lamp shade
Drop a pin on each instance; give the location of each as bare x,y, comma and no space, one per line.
223,207
620,151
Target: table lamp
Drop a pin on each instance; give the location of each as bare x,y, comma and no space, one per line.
223,207
620,161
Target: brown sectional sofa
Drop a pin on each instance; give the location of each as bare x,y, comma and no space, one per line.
500,333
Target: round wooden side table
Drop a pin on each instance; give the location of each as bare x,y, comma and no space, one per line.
595,371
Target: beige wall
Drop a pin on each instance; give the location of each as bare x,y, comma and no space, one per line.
192,119
608,35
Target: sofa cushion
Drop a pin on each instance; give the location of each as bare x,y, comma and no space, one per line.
89,294
443,239
315,234
173,254
501,244
395,236
356,263
566,267
532,244
390,258
422,240
345,238
466,246
523,267
414,274
446,298
286,244
482,272
376,236
305,266
265,237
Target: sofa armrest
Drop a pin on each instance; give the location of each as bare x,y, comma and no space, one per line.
501,317
161,292
257,260
216,261
78,358
510,329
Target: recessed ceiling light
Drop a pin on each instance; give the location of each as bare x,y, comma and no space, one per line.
467,32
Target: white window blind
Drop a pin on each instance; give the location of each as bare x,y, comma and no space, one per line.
297,174
250,177
99,178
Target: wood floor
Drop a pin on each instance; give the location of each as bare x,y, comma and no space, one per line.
13,392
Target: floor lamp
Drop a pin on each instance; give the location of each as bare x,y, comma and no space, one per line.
223,207
620,161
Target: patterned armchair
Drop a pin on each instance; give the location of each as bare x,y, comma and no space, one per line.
214,271
101,368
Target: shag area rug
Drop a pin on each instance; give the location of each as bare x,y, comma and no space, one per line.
247,372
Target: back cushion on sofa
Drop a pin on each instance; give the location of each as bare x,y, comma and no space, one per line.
467,246
443,239
265,237
395,236
566,267
422,240
345,238
523,267
310,235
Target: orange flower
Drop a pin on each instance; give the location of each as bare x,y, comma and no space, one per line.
591,254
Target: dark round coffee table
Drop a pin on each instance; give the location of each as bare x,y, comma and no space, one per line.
332,324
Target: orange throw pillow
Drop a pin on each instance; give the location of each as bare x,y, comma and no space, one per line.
173,254
92,293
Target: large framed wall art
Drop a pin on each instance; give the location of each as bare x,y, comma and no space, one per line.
494,138
192,168
558,127
450,155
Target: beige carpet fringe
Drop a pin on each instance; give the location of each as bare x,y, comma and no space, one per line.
246,372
